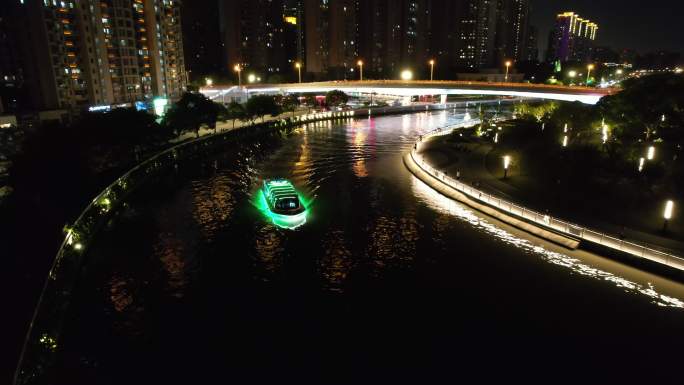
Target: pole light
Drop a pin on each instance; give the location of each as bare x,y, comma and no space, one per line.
507,162
432,67
238,69
508,65
251,78
406,75
572,74
605,133
589,68
565,141
208,82
641,164
360,64
299,70
667,213
651,153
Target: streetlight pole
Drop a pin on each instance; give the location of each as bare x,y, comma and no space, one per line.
589,68
432,68
299,70
508,65
360,64
238,70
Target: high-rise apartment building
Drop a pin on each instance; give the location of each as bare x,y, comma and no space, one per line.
394,34
512,30
257,35
82,53
11,76
329,37
572,38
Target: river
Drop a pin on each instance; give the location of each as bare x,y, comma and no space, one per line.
192,281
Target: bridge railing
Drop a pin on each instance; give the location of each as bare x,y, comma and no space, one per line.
544,220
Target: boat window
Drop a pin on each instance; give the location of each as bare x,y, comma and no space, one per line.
288,203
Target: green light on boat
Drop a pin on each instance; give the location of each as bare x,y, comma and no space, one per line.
284,221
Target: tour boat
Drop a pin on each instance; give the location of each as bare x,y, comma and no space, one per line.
284,206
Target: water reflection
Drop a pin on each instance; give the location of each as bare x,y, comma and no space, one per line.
337,260
171,252
393,241
268,249
444,205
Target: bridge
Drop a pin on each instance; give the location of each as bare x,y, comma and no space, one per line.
400,88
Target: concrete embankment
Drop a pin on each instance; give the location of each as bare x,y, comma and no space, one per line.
452,193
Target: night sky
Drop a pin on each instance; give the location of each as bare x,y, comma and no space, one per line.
643,25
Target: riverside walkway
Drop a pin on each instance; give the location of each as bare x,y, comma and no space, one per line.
465,171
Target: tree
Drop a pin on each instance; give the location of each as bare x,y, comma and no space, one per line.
191,112
335,98
290,103
639,108
259,106
235,111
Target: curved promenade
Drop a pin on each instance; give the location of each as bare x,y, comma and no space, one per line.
526,219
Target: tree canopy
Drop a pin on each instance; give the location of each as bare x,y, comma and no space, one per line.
335,98
191,112
258,106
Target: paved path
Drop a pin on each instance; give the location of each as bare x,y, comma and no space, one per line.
469,159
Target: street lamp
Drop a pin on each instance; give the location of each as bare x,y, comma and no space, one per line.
572,74
238,69
360,64
589,68
432,67
507,162
406,75
667,213
651,153
251,78
565,141
208,82
508,65
299,70
618,72
641,164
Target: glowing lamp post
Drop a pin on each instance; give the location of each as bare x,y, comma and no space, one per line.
667,213
299,70
507,162
641,164
565,141
508,65
406,75
251,78
360,64
651,153
238,69
432,68
589,68
208,82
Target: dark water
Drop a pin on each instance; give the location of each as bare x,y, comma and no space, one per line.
386,279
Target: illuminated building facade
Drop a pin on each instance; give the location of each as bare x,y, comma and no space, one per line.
572,38
101,52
